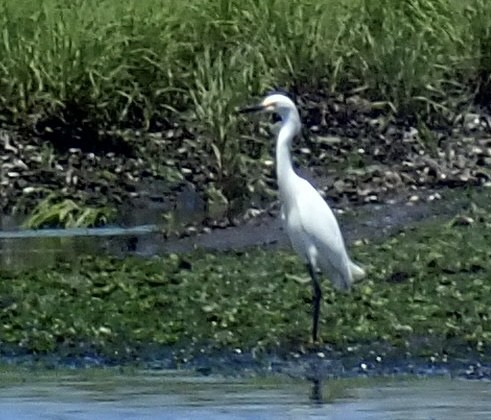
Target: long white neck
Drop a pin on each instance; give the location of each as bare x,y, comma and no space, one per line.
284,167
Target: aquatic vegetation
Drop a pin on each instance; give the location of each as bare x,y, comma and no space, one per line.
428,284
56,211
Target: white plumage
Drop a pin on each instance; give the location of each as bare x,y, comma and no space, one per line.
310,223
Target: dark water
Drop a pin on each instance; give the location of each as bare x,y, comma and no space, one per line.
175,395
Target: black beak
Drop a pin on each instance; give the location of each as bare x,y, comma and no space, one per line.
249,109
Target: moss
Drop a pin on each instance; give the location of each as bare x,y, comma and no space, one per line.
429,281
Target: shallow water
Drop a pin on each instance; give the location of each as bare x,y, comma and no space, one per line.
85,394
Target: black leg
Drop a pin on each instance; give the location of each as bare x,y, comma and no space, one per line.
316,299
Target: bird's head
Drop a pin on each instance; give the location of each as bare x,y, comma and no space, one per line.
275,103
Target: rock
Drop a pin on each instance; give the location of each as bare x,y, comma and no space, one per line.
29,190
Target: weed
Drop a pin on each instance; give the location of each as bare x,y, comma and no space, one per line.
56,211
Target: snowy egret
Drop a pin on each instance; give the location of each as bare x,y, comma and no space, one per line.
310,223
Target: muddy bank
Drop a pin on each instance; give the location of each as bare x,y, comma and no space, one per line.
361,222
368,222
317,365
354,152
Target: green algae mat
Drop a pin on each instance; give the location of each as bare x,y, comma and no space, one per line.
431,282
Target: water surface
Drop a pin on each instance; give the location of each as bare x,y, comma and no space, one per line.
86,394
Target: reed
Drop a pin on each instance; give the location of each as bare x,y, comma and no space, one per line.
132,61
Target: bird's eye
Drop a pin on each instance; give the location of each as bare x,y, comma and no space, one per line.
275,117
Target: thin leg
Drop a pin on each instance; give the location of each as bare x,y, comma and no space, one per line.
316,299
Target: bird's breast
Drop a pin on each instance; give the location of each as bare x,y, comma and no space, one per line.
300,241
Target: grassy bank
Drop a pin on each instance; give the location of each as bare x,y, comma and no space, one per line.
428,284
71,69
135,62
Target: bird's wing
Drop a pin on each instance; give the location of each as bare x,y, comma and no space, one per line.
317,218
320,224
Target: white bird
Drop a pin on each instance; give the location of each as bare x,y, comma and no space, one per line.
310,223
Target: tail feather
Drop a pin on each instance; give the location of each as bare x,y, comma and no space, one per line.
357,273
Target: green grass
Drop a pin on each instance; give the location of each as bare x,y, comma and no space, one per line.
132,62
429,282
